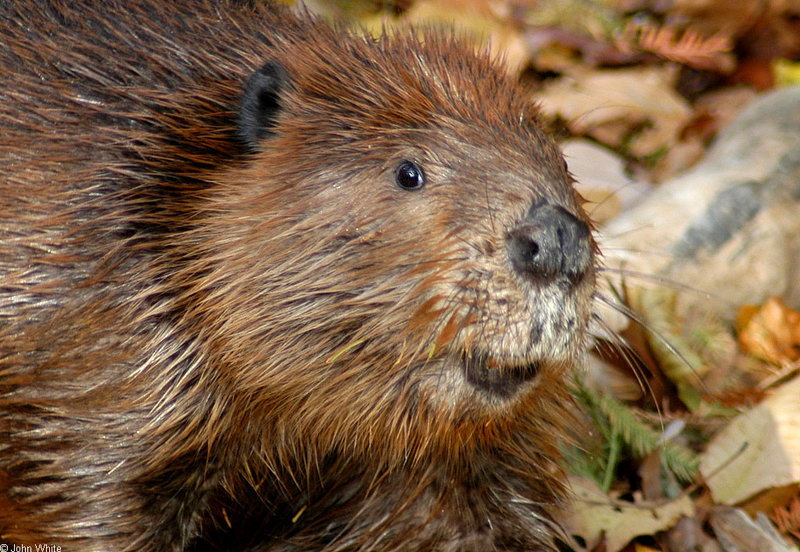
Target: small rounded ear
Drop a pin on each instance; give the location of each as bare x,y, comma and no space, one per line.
260,104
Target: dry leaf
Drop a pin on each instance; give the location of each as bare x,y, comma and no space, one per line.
601,179
787,517
477,18
710,53
722,106
771,332
758,450
730,16
612,104
590,18
593,514
738,533
765,29
688,536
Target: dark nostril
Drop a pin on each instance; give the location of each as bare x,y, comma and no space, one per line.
550,242
529,249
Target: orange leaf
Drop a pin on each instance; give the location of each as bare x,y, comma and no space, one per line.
771,332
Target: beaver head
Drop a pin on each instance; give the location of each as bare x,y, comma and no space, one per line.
402,254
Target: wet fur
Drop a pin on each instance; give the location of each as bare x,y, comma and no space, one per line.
242,335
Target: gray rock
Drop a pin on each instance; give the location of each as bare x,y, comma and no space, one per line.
726,233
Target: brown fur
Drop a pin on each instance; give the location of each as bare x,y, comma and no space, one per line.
209,344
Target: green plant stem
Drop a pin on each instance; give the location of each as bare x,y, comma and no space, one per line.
613,457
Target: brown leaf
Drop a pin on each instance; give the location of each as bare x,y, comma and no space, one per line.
787,517
687,47
639,106
688,536
770,332
488,22
594,515
758,450
738,533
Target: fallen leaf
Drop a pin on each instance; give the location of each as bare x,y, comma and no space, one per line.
758,450
770,332
688,536
738,533
731,16
624,101
594,514
487,22
787,517
688,47
722,106
601,179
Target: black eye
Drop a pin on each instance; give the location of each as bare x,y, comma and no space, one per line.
409,176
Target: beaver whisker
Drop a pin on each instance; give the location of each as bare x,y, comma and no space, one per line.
641,322
617,343
660,280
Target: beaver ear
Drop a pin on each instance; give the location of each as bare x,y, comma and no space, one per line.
261,103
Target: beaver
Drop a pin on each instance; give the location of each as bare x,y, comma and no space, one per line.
271,284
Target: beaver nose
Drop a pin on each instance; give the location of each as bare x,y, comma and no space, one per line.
550,242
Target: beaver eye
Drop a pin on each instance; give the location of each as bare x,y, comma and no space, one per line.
409,176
